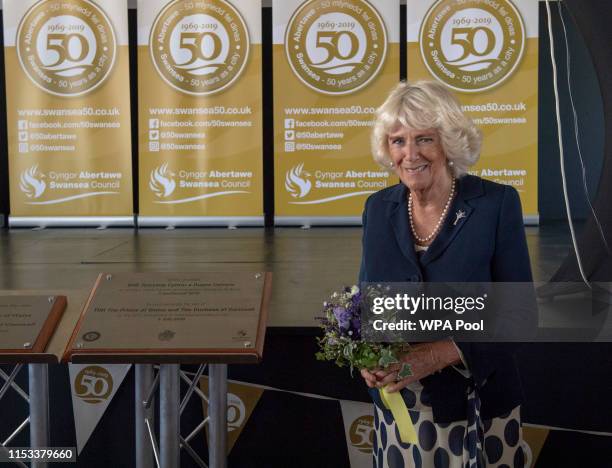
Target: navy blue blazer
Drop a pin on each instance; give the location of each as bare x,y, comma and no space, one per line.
487,245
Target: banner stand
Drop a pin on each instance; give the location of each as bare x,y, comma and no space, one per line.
201,221
333,64
68,113
490,57
71,221
200,113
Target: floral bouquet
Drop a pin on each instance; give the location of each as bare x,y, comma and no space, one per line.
342,342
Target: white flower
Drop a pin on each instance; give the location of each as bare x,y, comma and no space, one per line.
354,290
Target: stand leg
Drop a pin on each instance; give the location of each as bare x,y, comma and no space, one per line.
39,408
217,412
169,424
143,381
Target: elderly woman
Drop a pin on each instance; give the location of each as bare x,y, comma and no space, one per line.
440,224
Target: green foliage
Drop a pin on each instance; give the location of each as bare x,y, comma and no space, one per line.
342,343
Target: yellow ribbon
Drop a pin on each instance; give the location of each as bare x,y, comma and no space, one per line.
399,410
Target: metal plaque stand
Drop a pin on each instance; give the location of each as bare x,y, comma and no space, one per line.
166,453
143,414
35,354
37,399
241,344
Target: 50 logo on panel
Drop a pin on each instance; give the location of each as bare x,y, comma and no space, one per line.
199,47
66,47
472,45
336,47
93,384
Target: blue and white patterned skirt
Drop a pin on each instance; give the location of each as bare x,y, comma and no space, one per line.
471,443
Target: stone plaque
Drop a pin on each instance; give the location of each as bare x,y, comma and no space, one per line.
27,322
171,311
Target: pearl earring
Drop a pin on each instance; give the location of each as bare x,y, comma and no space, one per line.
451,163
391,164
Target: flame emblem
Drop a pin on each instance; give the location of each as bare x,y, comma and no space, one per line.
161,182
31,182
295,182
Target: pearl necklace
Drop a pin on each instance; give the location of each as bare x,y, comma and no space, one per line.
423,240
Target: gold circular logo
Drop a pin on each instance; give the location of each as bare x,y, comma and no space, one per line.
93,384
199,48
336,47
66,47
361,433
472,45
236,412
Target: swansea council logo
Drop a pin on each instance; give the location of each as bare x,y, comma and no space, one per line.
31,182
199,48
161,182
66,47
296,182
472,45
336,47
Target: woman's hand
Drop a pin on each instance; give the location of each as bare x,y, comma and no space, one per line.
369,377
424,359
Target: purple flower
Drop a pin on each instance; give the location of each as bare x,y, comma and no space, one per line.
356,323
343,317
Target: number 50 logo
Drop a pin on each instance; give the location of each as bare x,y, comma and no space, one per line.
93,384
471,45
361,433
336,47
66,47
199,48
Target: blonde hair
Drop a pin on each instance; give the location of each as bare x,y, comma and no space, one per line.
422,105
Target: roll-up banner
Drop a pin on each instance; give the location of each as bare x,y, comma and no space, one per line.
334,63
68,112
200,112
487,52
